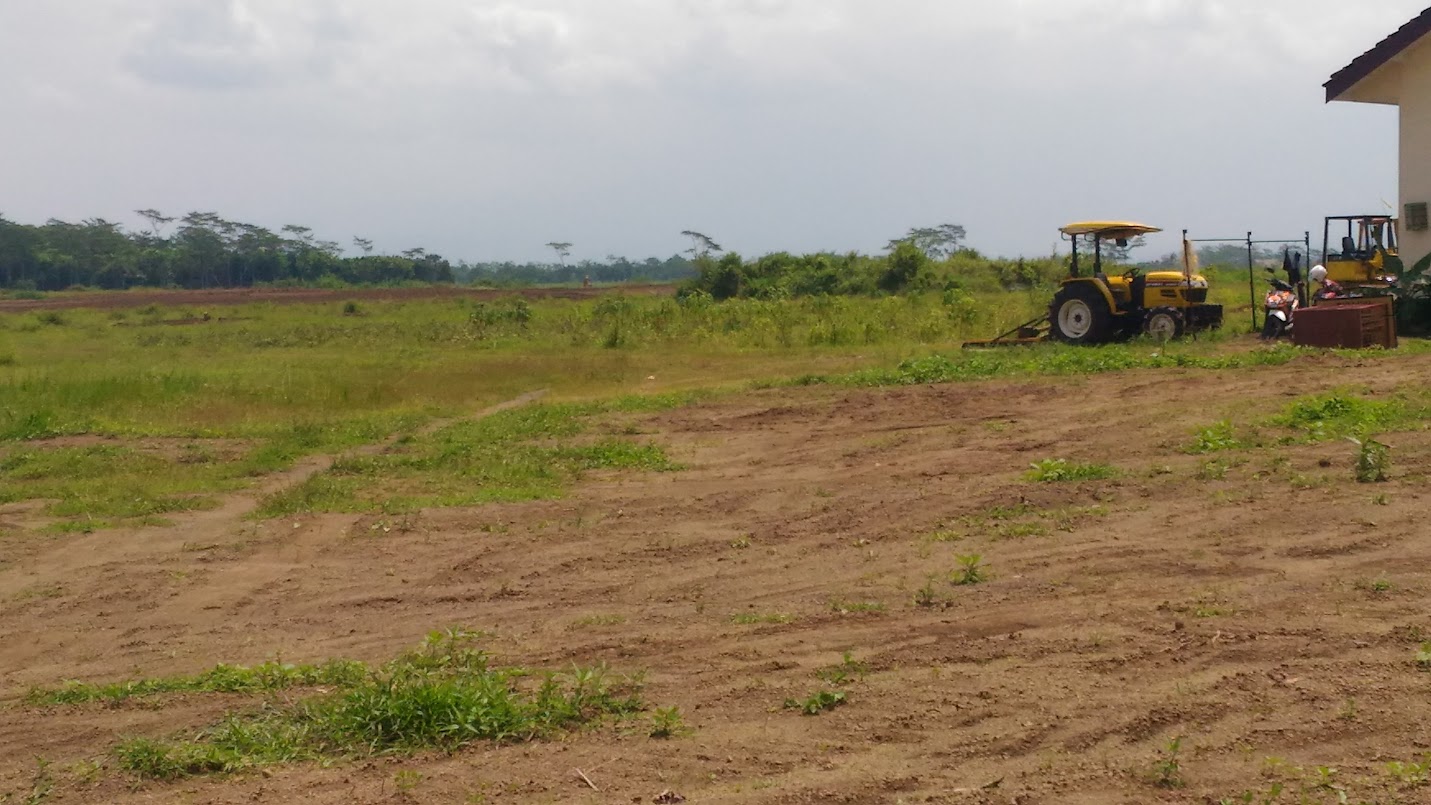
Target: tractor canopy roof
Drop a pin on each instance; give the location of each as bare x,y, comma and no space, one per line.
1109,230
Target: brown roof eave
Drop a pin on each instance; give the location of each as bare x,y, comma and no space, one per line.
1378,57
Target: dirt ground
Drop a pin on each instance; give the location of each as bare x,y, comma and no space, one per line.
1269,618
223,297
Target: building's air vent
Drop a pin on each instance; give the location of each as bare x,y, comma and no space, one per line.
1416,218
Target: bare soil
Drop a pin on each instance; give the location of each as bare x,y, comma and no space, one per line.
1242,614
223,297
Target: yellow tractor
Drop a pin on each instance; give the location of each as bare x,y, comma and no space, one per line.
1097,308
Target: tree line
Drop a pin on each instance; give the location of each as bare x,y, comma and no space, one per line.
197,250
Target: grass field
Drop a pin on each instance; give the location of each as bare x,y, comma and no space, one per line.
771,507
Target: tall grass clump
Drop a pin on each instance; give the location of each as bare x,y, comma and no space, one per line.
444,695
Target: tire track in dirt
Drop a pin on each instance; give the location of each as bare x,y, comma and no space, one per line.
269,560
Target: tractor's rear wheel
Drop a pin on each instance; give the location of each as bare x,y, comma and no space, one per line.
1080,315
1164,324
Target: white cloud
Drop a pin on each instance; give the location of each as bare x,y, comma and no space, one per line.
774,123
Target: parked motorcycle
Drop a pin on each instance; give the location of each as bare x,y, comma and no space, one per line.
1279,306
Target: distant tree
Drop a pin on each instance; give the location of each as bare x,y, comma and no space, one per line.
937,242
701,245
156,219
562,249
301,234
363,244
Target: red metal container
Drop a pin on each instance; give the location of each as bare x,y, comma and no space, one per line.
1346,324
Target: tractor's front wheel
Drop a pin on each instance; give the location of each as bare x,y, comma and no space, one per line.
1164,324
1079,315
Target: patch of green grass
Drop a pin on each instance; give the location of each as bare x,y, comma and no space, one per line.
842,607
443,695
598,620
1332,416
817,703
757,618
1058,470
1411,774
1216,438
528,453
269,676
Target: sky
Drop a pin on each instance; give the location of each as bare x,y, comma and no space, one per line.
484,129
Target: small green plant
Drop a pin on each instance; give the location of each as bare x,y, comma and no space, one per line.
598,620
757,618
817,703
1215,470
1348,711
1167,770
406,781
856,607
925,596
667,722
1373,460
847,671
971,570
1411,774
1423,657
1381,500
1058,470
741,543
1215,439
351,308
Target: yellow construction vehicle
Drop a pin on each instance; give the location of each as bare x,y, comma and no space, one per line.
1099,308
1366,260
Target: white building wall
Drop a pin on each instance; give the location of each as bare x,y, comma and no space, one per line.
1415,97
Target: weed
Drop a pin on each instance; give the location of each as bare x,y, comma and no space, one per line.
1215,470
1373,461
1058,470
270,676
817,703
1410,774
1348,711
1329,416
1375,586
667,722
442,695
1167,771
1216,438
847,671
741,543
1381,500
856,607
753,619
598,620
406,781
42,784
971,570
1423,657
925,596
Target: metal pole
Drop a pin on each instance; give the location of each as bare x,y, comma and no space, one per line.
1251,282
